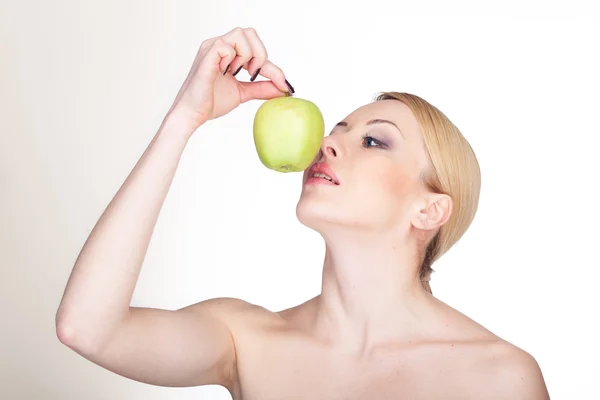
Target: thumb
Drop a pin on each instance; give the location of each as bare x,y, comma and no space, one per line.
262,90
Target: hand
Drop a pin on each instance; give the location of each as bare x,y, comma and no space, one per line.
211,89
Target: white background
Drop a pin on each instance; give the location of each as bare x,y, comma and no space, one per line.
84,86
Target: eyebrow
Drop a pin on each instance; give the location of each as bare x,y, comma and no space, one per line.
374,121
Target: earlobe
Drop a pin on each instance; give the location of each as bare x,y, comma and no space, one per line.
421,220
435,214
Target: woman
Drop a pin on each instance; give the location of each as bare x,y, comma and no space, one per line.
374,332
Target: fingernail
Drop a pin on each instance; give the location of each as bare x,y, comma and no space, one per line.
238,70
226,69
290,86
255,75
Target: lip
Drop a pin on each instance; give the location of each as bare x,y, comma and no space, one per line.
323,168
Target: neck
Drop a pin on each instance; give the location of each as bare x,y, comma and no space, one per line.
370,291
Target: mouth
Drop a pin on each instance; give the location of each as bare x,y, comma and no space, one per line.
322,173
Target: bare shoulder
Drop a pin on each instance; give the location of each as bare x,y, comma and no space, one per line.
507,372
231,310
500,370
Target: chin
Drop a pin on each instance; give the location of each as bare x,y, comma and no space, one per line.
317,214
328,216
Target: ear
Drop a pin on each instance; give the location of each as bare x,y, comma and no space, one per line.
434,212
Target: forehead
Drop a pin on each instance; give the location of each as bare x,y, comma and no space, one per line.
392,110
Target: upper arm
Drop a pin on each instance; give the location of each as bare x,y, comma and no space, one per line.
516,375
191,346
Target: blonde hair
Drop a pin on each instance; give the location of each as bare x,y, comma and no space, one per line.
453,170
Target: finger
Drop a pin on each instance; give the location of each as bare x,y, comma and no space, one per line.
219,55
240,43
263,90
275,74
259,51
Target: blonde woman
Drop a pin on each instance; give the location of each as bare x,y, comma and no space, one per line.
394,186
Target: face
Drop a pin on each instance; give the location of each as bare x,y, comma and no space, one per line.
377,166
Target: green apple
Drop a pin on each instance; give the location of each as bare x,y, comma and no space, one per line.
288,132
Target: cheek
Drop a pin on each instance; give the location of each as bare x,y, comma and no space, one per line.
399,184
393,184
391,191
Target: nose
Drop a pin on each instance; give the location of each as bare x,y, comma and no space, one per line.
329,148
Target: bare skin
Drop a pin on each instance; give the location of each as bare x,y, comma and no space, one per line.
373,332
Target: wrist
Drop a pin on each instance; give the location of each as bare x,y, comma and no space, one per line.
177,122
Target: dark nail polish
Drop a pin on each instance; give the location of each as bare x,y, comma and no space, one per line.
226,69
290,86
238,70
255,75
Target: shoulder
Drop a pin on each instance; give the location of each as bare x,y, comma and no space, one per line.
222,303
237,314
508,372
499,369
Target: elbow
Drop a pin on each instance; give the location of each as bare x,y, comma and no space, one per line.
64,329
77,340
85,336
74,336
65,334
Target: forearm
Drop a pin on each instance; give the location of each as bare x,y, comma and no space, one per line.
103,279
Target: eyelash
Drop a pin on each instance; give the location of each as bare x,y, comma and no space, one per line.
367,137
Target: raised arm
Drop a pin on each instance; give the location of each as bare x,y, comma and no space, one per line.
194,345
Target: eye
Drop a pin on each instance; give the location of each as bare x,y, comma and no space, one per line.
370,141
